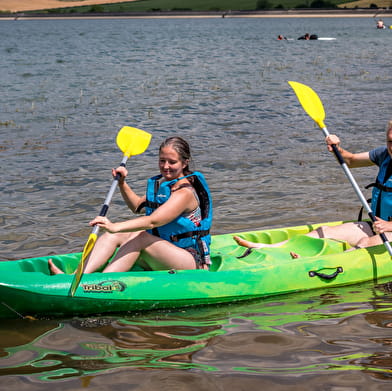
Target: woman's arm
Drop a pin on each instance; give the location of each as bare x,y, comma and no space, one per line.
130,197
179,202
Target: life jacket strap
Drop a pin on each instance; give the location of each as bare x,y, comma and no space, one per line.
149,204
202,248
190,234
383,188
380,186
205,259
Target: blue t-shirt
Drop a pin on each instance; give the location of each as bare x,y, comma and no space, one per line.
378,155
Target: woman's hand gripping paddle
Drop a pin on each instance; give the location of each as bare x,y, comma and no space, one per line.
131,141
312,105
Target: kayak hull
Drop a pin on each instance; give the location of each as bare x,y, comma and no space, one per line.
27,288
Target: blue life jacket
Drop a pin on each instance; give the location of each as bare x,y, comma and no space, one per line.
382,191
182,231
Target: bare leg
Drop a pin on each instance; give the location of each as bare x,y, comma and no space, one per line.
130,246
157,253
349,232
53,268
102,251
104,248
249,244
352,233
373,240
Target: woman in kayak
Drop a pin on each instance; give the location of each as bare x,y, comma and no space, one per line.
174,233
358,234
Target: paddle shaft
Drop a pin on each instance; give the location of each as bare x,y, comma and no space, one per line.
354,184
93,236
108,199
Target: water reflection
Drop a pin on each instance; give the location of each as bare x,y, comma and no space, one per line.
222,84
319,333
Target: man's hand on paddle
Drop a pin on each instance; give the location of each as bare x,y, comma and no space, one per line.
332,139
381,226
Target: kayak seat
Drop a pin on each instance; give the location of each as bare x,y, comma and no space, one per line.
37,265
304,246
216,262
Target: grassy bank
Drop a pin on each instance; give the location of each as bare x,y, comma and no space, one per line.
149,6
200,5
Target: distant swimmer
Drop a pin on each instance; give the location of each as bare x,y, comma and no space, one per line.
308,37
281,37
380,24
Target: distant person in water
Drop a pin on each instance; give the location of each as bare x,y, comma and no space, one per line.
308,37
358,234
281,37
380,24
305,37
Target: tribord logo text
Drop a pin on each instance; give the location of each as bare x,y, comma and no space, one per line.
104,287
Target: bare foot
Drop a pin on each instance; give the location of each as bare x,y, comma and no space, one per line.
247,243
53,268
294,255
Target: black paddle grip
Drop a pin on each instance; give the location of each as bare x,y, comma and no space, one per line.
104,210
337,154
118,175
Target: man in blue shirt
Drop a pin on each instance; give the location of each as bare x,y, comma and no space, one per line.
359,234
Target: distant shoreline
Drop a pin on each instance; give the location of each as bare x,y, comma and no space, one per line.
336,13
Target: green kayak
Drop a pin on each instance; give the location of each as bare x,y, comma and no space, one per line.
28,289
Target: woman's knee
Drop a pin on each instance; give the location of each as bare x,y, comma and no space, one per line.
109,238
368,242
144,239
116,239
362,243
320,232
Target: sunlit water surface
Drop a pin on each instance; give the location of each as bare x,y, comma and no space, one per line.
68,87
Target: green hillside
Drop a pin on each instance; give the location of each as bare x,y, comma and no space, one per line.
368,4
219,5
195,5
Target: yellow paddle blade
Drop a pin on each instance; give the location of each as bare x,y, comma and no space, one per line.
132,141
79,271
310,102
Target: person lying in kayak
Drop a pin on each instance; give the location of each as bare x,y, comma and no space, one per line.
173,234
358,234
308,37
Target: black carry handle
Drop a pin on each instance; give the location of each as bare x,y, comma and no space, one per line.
325,276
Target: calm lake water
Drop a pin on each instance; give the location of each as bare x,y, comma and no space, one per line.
68,86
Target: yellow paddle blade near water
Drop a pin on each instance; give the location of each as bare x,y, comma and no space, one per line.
132,141
310,102
79,271
88,247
